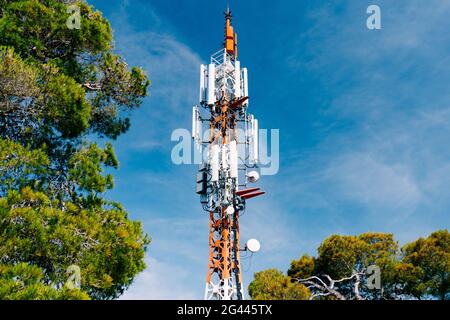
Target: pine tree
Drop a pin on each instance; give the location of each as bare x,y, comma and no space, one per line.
59,87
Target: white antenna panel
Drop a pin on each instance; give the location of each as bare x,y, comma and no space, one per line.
224,157
250,128
255,149
237,79
211,84
199,127
214,162
245,84
202,97
233,159
195,123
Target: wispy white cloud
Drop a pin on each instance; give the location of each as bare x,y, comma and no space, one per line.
161,281
383,160
173,69
365,179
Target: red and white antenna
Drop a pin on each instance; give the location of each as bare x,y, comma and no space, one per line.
231,163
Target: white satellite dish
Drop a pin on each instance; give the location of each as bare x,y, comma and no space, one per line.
253,176
253,245
230,210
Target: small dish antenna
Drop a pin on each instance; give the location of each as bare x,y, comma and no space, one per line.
253,245
229,210
253,176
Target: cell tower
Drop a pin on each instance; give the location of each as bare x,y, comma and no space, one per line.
230,163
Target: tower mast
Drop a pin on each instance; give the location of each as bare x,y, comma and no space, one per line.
231,145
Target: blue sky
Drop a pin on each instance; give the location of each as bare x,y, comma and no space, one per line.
363,116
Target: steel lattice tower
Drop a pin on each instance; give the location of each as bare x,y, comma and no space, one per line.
231,147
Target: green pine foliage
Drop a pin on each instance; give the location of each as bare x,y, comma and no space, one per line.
272,284
59,87
419,270
26,282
